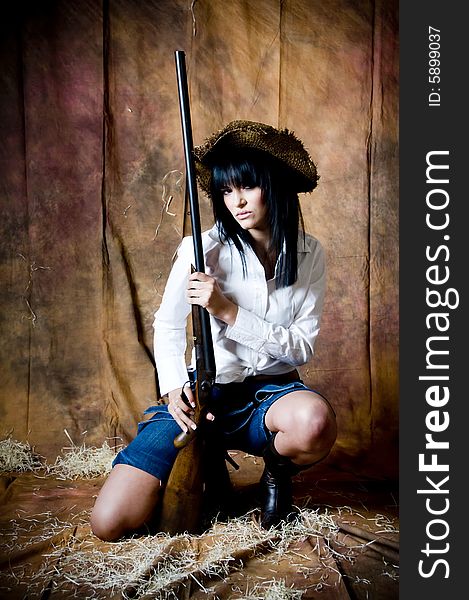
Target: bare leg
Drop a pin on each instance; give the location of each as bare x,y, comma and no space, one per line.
125,503
305,425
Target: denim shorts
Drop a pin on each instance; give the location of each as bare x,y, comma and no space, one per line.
239,410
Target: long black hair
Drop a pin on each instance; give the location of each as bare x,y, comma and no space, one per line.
250,168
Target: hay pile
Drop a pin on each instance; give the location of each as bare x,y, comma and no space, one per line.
162,566
74,462
18,457
77,462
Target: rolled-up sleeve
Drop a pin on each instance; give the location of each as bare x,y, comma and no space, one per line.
294,344
169,325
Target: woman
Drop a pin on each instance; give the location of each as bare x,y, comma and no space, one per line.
264,289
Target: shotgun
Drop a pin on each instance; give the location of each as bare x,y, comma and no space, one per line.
200,457
204,354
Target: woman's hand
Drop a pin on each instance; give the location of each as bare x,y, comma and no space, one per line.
181,411
205,291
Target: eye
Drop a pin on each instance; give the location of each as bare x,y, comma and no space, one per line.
226,191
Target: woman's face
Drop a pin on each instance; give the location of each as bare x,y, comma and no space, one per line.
247,205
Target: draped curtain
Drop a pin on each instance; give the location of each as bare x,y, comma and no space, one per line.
92,195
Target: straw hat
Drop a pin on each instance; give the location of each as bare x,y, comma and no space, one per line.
281,144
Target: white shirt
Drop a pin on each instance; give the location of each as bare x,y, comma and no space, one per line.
275,329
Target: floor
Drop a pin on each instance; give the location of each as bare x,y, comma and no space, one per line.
343,546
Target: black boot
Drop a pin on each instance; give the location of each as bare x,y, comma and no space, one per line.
276,487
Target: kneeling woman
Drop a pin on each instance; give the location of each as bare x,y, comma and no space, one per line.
264,289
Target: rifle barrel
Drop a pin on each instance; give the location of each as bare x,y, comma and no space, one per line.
191,183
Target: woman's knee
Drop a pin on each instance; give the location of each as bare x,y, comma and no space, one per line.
315,425
126,500
106,523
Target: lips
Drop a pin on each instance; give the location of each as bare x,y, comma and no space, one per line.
244,214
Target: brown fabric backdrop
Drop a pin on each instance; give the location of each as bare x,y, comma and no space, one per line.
92,207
